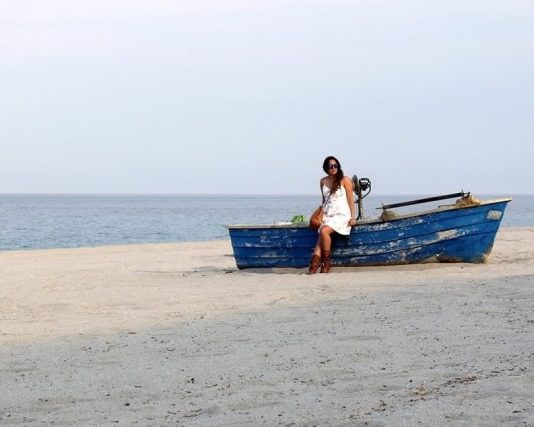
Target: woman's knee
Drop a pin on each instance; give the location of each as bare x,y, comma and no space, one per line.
326,231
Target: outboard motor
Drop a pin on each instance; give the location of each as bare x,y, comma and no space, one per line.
362,188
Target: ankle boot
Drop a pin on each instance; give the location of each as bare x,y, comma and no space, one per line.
314,264
325,268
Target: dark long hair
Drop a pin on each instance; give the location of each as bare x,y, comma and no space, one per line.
338,176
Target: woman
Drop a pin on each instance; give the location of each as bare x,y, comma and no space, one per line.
338,208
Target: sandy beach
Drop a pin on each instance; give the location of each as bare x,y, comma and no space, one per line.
174,334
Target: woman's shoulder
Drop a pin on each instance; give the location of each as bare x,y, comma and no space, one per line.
347,182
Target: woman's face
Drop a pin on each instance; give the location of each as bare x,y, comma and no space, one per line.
333,167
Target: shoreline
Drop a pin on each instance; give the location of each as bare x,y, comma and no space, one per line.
174,333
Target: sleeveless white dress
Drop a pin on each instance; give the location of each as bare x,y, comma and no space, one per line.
336,213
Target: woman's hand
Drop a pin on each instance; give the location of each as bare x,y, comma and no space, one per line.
352,221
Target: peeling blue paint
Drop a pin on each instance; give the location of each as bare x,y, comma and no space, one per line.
462,234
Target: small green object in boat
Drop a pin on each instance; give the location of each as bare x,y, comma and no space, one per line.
298,219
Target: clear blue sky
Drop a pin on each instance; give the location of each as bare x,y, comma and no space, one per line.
244,96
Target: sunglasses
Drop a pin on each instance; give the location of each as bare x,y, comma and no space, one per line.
333,166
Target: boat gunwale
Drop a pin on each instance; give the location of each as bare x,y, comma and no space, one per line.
377,220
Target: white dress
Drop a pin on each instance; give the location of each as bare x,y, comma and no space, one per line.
336,212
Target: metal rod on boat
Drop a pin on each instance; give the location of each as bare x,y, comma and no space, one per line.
428,199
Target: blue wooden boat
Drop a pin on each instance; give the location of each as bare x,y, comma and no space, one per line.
460,232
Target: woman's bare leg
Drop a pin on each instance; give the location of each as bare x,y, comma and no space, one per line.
326,245
315,261
325,238
321,250
317,249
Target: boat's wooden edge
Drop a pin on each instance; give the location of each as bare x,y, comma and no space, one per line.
377,220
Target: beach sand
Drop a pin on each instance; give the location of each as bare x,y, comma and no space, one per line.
174,334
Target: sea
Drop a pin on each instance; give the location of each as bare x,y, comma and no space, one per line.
69,221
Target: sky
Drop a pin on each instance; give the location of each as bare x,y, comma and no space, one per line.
249,96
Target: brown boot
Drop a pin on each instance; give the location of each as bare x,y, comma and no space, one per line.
314,264
325,268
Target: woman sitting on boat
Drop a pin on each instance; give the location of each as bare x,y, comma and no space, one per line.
338,216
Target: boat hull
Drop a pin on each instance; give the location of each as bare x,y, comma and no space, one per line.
449,234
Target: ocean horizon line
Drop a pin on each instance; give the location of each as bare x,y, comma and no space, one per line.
242,194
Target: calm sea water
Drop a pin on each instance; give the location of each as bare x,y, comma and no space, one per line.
66,221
